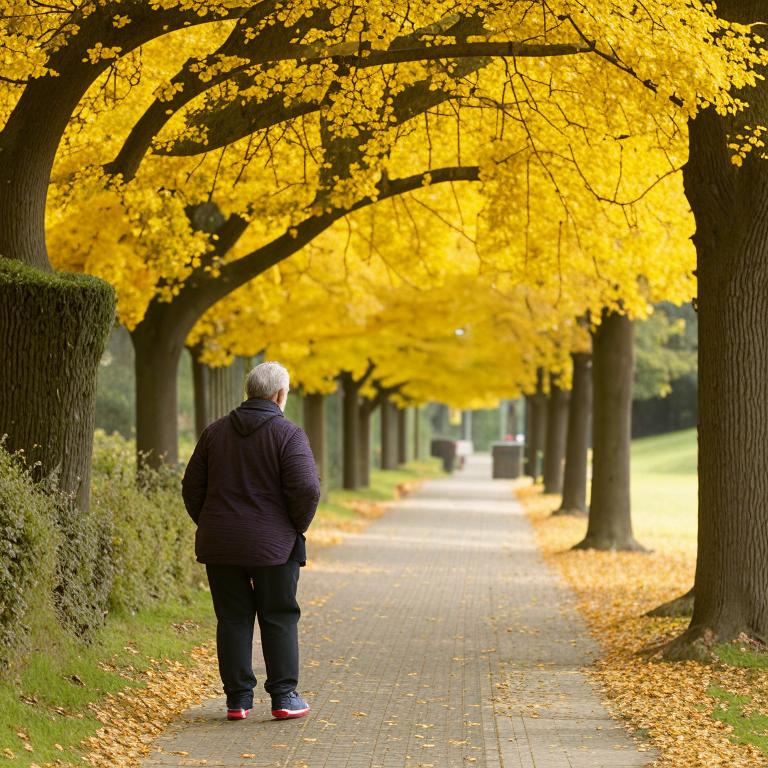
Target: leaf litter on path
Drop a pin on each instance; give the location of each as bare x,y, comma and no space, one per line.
670,702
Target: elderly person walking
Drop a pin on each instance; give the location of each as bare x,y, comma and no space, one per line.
252,488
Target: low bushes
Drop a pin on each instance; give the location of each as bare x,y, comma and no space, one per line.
28,544
152,535
58,564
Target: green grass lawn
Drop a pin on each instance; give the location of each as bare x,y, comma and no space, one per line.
664,503
664,489
339,503
48,701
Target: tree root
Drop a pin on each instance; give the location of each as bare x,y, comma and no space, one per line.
605,544
679,607
570,512
693,645
697,643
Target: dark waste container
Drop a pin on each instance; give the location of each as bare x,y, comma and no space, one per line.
446,450
507,460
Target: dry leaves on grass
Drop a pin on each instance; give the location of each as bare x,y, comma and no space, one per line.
614,590
327,533
133,718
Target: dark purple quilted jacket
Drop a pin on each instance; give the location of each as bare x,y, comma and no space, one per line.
252,488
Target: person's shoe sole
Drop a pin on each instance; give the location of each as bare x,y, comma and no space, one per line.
289,714
238,714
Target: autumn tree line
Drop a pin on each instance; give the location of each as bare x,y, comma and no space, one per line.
345,186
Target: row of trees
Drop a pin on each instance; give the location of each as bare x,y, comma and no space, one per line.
181,172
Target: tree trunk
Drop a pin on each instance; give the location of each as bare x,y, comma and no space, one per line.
416,433
351,432
53,328
388,434
226,387
610,522
554,447
156,364
402,436
440,421
577,446
537,427
366,410
53,331
199,387
730,206
680,606
216,390
314,426
466,425
510,428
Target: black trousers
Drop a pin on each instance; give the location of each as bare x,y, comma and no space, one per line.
240,595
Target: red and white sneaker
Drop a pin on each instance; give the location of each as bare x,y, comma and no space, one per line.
238,714
288,706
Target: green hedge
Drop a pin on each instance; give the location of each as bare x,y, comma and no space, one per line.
28,543
153,537
134,547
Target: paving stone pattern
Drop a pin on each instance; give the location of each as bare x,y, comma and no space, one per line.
438,637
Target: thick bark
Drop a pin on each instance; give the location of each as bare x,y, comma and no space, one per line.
730,206
216,390
53,331
610,522
554,446
416,433
314,426
199,376
402,436
156,358
537,427
388,434
577,445
680,606
351,432
28,145
366,411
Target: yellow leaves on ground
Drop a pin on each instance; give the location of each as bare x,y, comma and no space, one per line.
132,719
614,590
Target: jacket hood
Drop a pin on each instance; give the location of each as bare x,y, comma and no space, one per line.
254,414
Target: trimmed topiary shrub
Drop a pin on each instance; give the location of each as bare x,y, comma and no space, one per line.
28,542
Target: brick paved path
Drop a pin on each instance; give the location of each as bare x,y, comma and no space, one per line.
436,638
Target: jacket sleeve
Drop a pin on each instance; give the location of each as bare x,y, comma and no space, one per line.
300,483
194,485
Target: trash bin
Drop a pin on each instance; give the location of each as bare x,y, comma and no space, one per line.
507,460
446,450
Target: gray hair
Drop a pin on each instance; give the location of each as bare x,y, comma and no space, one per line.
266,380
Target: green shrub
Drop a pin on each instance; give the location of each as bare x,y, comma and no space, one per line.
84,568
64,568
28,542
152,535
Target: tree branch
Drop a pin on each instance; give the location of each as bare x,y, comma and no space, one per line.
201,291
